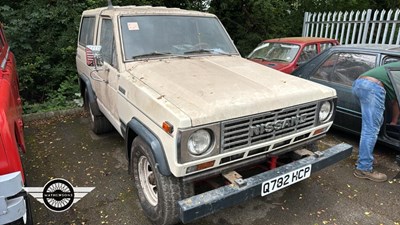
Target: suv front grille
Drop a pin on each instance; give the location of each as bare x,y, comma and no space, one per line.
237,133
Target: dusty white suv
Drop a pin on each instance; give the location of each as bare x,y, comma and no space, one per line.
191,109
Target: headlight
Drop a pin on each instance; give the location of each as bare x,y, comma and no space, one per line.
199,142
325,111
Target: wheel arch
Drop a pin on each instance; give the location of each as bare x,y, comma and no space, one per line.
10,145
19,134
84,83
137,129
20,142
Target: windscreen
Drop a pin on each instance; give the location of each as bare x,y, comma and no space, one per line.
279,52
183,35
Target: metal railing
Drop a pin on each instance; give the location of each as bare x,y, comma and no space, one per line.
354,27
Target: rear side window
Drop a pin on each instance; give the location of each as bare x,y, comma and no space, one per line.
308,52
324,46
344,68
87,31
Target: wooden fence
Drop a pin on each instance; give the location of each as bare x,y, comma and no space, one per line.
366,27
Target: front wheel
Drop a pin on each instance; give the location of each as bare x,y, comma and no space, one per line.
158,194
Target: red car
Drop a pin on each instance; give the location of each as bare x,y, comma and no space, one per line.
14,202
286,54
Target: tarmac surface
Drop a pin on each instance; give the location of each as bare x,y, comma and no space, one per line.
64,147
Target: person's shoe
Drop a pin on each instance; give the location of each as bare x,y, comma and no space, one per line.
373,175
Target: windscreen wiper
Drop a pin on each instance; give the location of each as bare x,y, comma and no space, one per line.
198,51
213,51
262,58
155,53
277,60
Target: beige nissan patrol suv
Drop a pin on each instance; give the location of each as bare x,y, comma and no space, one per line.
192,111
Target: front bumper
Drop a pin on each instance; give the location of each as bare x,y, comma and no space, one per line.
209,202
11,208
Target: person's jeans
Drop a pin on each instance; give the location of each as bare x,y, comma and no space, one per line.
371,97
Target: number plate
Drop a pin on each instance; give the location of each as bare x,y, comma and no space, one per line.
285,180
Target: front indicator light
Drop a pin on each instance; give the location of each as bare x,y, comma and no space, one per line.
167,127
201,166
320,131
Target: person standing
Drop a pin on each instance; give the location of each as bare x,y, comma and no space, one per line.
371,89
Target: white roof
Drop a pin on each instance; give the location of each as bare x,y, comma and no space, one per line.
144,10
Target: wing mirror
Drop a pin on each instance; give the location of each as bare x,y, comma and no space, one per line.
93,56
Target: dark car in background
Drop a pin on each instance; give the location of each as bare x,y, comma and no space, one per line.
338,67
286,54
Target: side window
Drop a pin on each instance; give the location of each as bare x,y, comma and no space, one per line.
87,31
324,46
344,68
308,52
326,69
107,42
390,59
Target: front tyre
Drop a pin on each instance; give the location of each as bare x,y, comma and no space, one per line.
158,194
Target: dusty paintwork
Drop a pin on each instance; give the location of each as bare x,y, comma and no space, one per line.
174,79
224,87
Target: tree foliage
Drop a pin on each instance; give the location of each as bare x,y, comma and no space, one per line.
43,34
249,22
